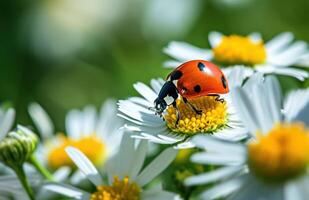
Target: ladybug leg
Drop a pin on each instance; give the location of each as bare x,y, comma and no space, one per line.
177,113
197,111
217,97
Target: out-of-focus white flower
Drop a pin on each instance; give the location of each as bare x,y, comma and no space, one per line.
96,135
217,118
126,176
165,19
59,28
274,163
276,56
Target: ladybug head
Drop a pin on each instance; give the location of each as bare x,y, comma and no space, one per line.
160,105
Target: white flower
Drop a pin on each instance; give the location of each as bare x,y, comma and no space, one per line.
149,126
60,28
96,135
6,121
277,56
254,170
125,173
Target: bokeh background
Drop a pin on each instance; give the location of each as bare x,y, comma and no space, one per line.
68,53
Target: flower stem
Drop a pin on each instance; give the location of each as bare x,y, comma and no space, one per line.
45,173
24,181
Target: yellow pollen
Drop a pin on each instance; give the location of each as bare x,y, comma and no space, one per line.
120,190
91,146
236,49
213,117
281,154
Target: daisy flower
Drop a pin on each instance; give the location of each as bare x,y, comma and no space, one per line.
274,163
276,56
126,176
217,118
96,135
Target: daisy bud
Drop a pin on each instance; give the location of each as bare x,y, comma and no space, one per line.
17,147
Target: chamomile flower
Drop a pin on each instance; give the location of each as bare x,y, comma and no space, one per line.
276,56
96,135
274,163
217,118
126,175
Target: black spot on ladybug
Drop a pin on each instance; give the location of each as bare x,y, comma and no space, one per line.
223,81
201,66
176,75
197,88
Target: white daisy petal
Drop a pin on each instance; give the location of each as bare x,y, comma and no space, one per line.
255,37
213,176
273,93
214,38
171,64
278,42
67,190
297,73
232,134
303,60
294,103
85,165
218,159
61,174
236,75
7,122
156,166
88,120
73,124
156,85
145,91
184,52
41,120
123,163
140,101
246,110
159,195
104,127
223,189
215,145
292,191
289,55
139,158
302,115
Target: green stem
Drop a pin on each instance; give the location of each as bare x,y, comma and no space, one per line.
40,168
24,181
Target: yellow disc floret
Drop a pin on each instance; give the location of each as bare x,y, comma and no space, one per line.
212,118
236,49
120,190
281,154
91,146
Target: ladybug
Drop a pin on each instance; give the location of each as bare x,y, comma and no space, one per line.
192,79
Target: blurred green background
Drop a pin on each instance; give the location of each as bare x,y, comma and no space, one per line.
69,53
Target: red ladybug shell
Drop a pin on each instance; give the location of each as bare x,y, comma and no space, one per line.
198,78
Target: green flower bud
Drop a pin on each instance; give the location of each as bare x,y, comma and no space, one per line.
17,147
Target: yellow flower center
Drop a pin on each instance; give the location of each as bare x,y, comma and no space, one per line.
213,117
91,146
281,154
236,49
120,190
